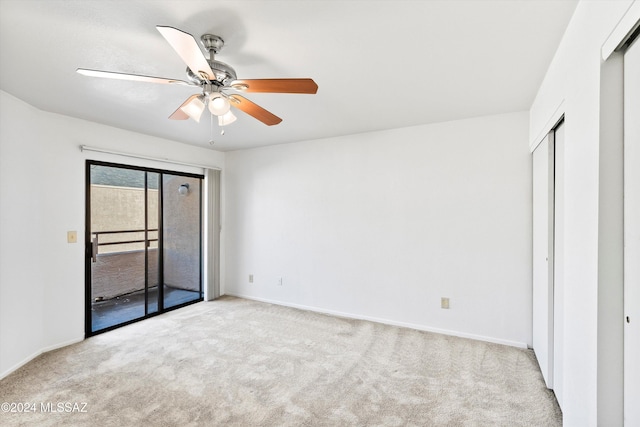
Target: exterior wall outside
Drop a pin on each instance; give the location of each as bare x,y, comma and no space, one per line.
181,230
121,208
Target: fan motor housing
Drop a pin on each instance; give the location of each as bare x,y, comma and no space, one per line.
225,74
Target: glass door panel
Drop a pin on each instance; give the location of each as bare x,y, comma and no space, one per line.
117,212
181,219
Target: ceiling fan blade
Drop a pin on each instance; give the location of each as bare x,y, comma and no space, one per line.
179,114
276,85
254,110
126,76
187,48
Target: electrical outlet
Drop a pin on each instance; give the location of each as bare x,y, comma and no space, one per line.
444,302
72,237
251,278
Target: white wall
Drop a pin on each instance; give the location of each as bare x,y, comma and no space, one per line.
42,184
22,282
572,87
381,225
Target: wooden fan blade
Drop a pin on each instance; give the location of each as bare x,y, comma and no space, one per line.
187,48
276,85
126,76
179,114
254,110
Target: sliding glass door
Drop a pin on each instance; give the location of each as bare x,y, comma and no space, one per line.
144,243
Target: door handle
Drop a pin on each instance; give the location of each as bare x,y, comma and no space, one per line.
94,249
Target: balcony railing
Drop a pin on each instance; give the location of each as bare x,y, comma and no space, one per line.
100,233
118,261
124,260
96,241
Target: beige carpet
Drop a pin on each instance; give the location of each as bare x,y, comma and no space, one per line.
244,363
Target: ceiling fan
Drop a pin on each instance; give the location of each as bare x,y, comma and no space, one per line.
216,79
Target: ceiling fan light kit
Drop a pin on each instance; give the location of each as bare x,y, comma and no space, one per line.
226,119
215,79
194,107
218,104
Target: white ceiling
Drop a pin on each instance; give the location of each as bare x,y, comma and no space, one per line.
378,64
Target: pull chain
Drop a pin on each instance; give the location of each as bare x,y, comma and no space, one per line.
211,141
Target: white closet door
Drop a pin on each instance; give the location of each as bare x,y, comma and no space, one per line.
543,257
632,235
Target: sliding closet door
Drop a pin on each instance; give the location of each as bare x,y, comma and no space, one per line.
632,235
548,258
543,186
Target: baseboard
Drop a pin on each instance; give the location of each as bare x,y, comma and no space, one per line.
36,354
60,345
385,321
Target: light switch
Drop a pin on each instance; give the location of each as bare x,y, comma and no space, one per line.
72,236
444,302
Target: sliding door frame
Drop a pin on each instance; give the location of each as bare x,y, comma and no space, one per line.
88,245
